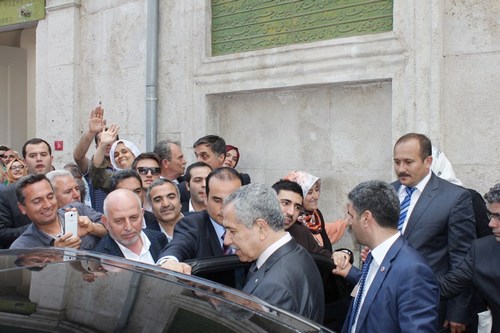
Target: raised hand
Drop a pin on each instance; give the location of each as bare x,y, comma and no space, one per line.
96,120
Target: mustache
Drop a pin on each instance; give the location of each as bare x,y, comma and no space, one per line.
403,174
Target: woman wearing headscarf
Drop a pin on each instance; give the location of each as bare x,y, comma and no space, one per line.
311,217
232,159
122,154
14,171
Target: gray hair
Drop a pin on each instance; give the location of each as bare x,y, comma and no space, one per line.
159,182
380,199
164,150
256,201
53,175
493,196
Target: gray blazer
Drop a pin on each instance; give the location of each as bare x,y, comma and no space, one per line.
441,228
290,280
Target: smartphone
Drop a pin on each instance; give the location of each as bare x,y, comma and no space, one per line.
71,222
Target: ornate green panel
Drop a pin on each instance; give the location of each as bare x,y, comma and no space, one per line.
21,11
245,25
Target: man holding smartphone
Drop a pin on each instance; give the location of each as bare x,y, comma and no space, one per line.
36,200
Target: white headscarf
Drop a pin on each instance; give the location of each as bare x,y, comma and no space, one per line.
131,146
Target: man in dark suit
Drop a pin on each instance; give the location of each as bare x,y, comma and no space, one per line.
284,273
164,198
195,183
437,218
126,238
201,234
37,154
480,268
397,290
172,159
131,180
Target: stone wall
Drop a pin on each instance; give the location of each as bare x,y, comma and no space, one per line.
332,107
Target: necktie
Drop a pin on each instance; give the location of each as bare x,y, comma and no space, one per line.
225,249
251,272
405,204
359,295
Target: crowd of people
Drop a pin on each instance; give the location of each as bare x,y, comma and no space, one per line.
423,268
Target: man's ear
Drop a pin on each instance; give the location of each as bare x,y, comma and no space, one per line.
21,208
221,158
367,217
262,228
428,161
164,164
104,221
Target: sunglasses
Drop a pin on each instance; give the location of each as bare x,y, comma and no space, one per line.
144,171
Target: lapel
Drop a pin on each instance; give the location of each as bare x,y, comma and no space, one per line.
378,280
213,239
154,239
261,272
429,193
112,248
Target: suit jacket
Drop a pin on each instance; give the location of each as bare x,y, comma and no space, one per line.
151,222
480,268
185,195
403,296
12,222
185,207
441,228
290,280
304,238
107,245
194,237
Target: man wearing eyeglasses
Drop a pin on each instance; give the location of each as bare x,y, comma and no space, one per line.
480,268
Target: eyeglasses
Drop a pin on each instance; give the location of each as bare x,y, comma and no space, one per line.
144,171
17,167
491,215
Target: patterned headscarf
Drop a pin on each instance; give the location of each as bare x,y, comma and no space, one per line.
10,174
131,146
306,182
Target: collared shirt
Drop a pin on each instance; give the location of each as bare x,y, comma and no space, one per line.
33,237
169,237
414,197
219,230
145,256
190,208
378,254
272,248
165,232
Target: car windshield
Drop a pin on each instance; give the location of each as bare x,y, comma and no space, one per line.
49,290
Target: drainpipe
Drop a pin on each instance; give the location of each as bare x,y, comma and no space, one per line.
152,74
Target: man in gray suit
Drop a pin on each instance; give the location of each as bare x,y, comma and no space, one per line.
480,266
436,218
284,273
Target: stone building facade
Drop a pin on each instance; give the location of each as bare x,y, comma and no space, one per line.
332,107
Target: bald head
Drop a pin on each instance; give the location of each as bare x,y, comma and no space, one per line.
121,197
123,218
